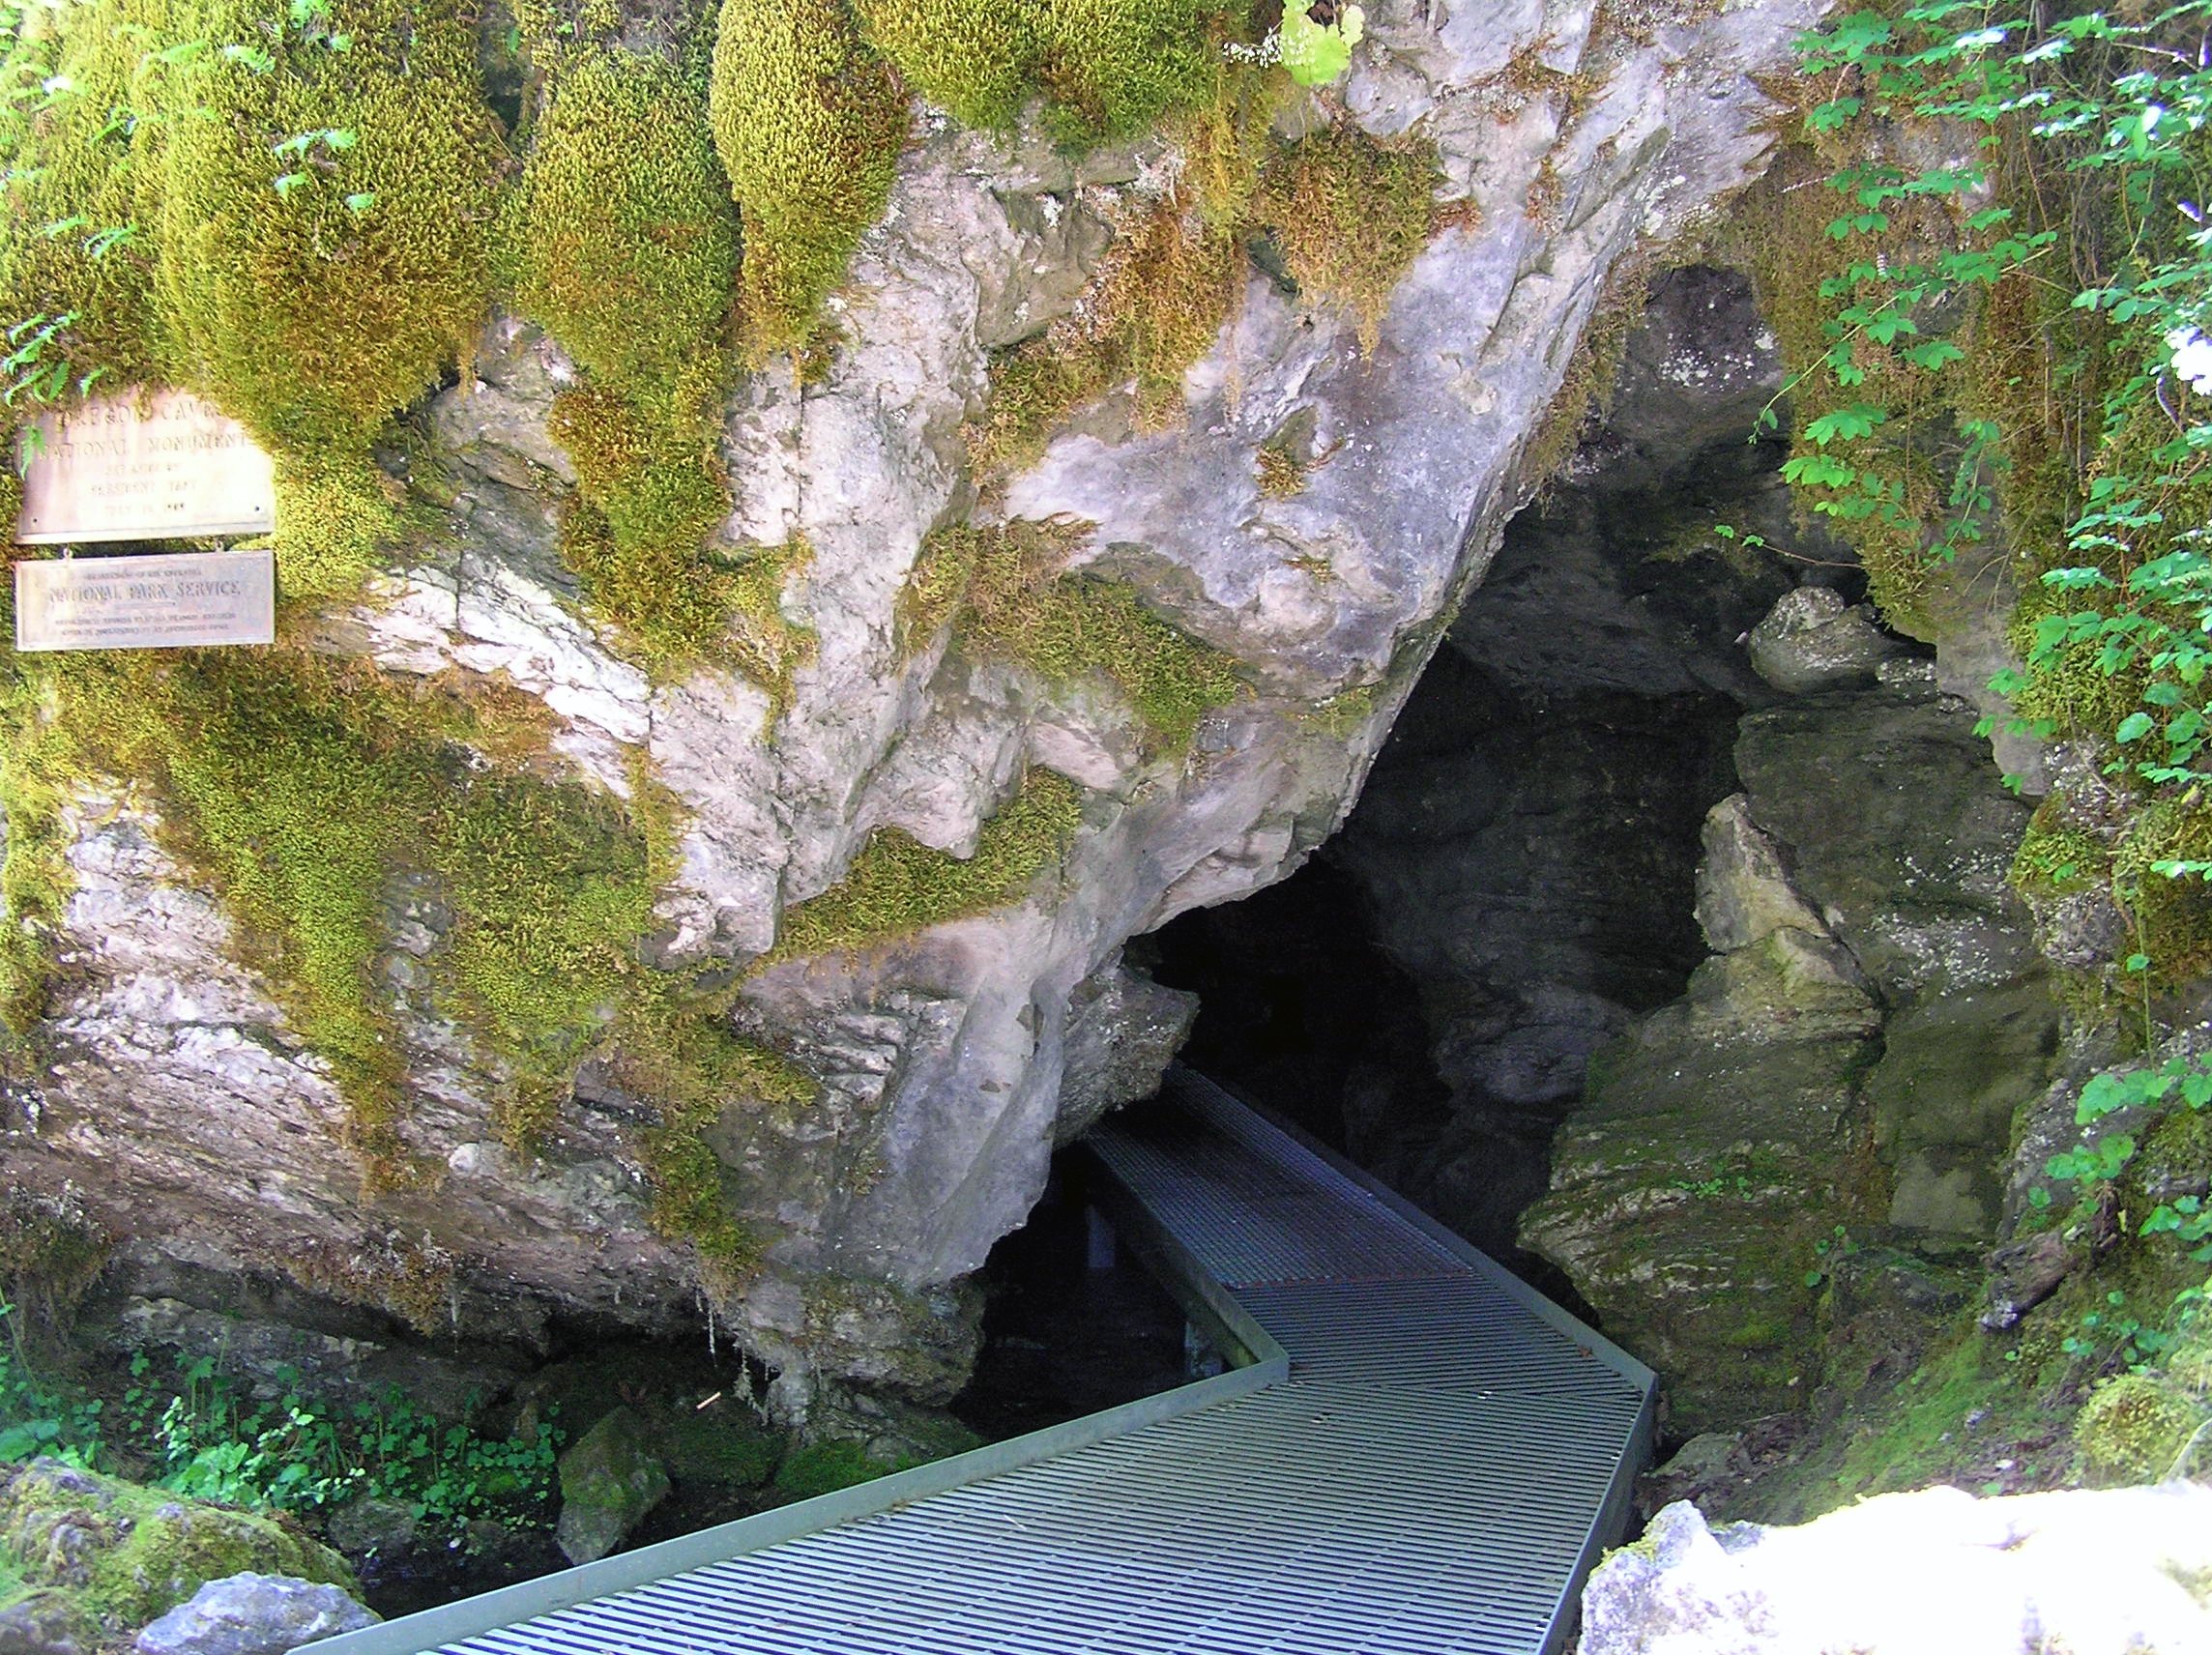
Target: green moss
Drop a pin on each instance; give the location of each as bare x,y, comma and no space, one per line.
898,885
1156,307
650,495
675,1046
2132,1428
1345,215
543,887
1350,213
629,240
1006,590
314,293
2056,856
977,58
824,1467
74,162
1282,473
626,247
1112,68
1115,67
293,229
809,121
144,1550
409,1279
245,752
50,1252
2173,916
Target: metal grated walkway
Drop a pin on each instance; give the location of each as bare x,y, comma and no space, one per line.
1418,1456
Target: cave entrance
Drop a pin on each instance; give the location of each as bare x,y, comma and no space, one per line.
1516,883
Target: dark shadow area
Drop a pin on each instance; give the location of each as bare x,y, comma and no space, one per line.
1066,1333
1516,885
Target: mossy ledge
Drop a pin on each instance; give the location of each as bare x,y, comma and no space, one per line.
1008,593
542,887
897,886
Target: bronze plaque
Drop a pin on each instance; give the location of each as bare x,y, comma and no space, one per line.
146,603
154,465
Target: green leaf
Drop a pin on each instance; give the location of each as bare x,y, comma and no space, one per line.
1843,424
2135,727
1317,54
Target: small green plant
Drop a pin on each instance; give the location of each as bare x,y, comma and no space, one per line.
1828,1252
206,1440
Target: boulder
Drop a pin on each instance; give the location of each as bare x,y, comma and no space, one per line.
372,1526
254,1615
1744,891
1810,640
2092,1573
137,1552
609,1482
47,1622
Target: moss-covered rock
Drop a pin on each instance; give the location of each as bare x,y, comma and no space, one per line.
123,1555
898,885
610,1482
2133,1428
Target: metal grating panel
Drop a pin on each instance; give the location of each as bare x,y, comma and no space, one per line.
1427,1481
1254,1204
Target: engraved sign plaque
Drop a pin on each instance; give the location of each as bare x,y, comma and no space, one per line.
150,465
146,603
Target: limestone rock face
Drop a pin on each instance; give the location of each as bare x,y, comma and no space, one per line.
1853,1055
2092,1573
949,1062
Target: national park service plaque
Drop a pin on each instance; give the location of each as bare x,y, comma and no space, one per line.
147,465
146,603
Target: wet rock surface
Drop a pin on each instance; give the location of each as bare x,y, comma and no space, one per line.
1852,1055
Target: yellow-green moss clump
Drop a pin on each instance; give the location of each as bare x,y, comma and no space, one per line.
1350,212
1110,67
1007,591
2133,1427
289,218
125,1554
1115,67
1157,307
322,235
629,240
2057,856
70,163
977,58
809,121
626,246
897,886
